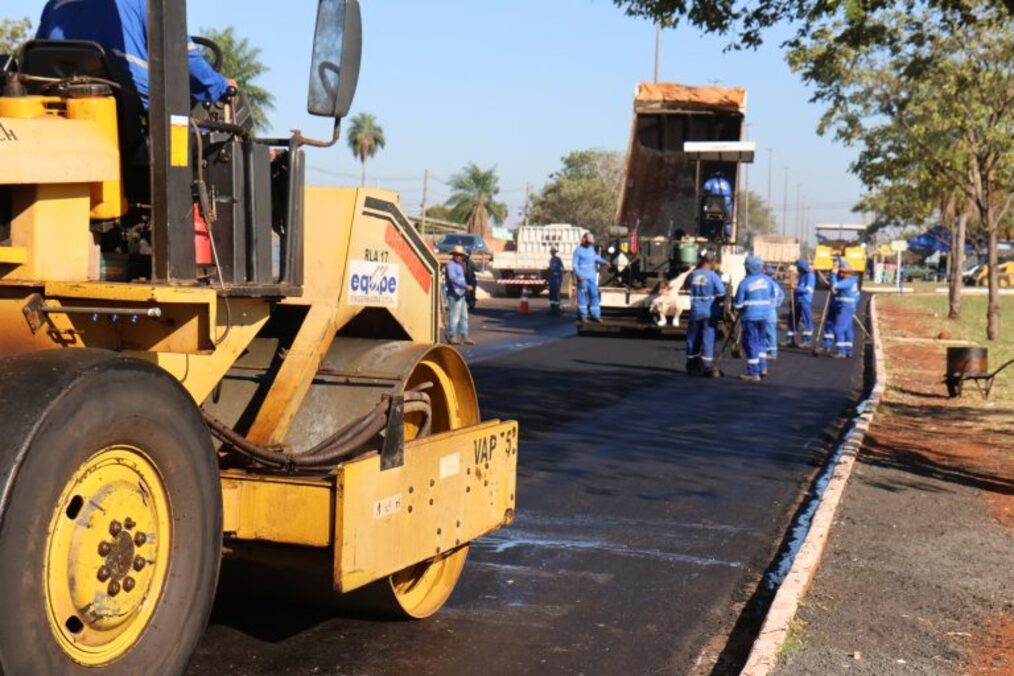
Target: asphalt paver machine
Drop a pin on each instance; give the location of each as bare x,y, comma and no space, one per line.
202,357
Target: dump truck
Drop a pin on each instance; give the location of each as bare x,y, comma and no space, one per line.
173,393
680,136
839,241
528,265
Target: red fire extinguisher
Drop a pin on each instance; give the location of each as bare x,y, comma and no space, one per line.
202,239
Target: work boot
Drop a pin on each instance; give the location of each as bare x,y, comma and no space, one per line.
772,357
712,373
749,378
454,340
841,355
581,320
597,320
467,341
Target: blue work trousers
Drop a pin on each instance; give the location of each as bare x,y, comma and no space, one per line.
554,295
588,298
802,332
701,340
827,331
843,330
457,316
755,346
771,335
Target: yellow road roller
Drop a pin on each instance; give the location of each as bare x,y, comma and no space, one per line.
201,357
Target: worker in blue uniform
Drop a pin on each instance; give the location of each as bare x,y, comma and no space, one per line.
586,264
845,300
753,303
827,330
806,282
121,27
771,328
718,186
555,280
706,294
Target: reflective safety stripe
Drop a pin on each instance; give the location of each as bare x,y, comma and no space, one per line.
707,360
843,344
753,362
702,297
755,303
694,356
130,58
807,333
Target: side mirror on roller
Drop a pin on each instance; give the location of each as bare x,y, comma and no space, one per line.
337,52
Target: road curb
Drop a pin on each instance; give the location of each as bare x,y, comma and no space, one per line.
763,656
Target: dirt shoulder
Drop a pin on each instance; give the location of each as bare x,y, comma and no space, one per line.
917,575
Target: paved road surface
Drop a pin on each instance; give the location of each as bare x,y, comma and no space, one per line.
648,505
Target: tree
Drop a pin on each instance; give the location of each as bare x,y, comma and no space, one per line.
241,62
13,34
475,191
366,137
762,218
748,19
936,92
584,192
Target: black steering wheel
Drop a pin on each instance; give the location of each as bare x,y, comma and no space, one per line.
216,51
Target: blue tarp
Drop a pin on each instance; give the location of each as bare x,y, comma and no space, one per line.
937,238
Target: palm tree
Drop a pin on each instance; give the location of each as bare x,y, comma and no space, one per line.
242,62
366,137
474,192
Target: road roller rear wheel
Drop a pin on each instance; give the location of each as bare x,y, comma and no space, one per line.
421,590
110,541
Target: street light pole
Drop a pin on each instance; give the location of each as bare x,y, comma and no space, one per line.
770,154
785,204
658,39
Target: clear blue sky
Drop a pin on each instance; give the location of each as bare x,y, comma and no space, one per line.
519,83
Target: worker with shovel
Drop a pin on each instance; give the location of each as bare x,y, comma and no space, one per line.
845,288
706,293
753,303
801,332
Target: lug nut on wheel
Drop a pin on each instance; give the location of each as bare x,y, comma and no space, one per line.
115,528
104,573
139,563
129,523
128,584
114,588
105,548
140,539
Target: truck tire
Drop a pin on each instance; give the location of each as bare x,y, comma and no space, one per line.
110,517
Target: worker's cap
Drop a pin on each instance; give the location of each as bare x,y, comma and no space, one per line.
802,264
553,250
754,264
707,257
458,250
844,268
587,237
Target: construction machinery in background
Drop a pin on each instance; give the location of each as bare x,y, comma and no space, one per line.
780,252
527,266
680,137
840,241
168,383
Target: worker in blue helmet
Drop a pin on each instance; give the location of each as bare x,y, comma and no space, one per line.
753,303
806,281
845,300
827,330
586,264
555,280
771,328
719,186
706,294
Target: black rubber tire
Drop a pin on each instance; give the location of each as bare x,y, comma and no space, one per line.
96,400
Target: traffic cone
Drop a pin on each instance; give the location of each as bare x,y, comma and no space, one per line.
523,305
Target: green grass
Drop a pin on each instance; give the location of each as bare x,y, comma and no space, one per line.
793,642
932,321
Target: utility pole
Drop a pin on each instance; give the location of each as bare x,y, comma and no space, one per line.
799,210
785,204
658,40
528,199
426,183
770,154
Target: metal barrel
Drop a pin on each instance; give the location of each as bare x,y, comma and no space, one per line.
967,361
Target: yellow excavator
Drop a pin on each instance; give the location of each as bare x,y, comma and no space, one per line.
201,357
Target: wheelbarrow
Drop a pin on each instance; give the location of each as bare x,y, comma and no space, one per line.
970,364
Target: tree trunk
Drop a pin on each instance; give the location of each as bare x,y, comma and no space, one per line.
993,310
957,263
363,183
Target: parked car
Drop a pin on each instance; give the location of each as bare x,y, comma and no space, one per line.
473,244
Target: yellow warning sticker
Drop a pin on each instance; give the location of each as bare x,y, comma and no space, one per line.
179,141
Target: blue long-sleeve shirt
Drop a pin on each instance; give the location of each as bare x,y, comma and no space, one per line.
806,284
124,35
586,262
455,279
556,268
706,289
777,298
753,298
846,292
719,186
